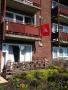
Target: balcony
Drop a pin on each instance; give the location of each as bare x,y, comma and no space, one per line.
21,31
63,10
63,13
63,37
27,6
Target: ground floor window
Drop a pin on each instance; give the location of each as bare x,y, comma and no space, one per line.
16,53
60,52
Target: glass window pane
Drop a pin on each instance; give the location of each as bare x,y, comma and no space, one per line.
28,20
28,56
54,28
9,15
10,49
60,51
19,18
65,29
55,52
54,4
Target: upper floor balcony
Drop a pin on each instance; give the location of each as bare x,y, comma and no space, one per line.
27,6
63,37
21,26
59,11
63,10
21,31
60,33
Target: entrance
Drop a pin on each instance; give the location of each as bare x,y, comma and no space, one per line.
16,53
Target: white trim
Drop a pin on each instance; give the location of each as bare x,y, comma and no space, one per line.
23,37
20,45
23,17
35,18
64,53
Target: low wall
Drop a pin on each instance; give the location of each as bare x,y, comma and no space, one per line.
60,62
17,67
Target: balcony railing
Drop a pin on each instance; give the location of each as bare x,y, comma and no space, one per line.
15,28
26,6
63,10
63,37
30,2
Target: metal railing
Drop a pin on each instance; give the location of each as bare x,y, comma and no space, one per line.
29,2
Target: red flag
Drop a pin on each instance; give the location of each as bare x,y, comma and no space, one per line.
45,30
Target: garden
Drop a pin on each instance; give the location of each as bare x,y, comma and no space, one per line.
51,78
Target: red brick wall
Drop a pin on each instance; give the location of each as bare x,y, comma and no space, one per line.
0,6
45,50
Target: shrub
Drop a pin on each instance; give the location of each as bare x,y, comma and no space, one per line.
1,87
52,78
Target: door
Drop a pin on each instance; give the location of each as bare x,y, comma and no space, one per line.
16,53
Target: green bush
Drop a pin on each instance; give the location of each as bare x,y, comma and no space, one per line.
52,78
1,87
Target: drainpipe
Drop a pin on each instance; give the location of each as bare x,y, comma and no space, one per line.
3,32
4,15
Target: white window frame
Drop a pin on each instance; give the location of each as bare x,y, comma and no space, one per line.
23,17
7,45
54,4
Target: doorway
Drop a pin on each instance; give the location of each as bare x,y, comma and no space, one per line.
16,53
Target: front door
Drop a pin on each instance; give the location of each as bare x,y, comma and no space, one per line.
16,53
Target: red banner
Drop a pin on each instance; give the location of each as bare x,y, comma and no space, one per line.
45,30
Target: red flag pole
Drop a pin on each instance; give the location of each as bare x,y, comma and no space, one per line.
40,19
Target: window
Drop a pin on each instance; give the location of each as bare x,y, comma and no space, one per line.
54,4
26,53
65,29
54,28
54,52
67,52
19,18
61,52
16,17
10,49
27,20
28,56
9,15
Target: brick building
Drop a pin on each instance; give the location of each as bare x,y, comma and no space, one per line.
60,31
20,39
